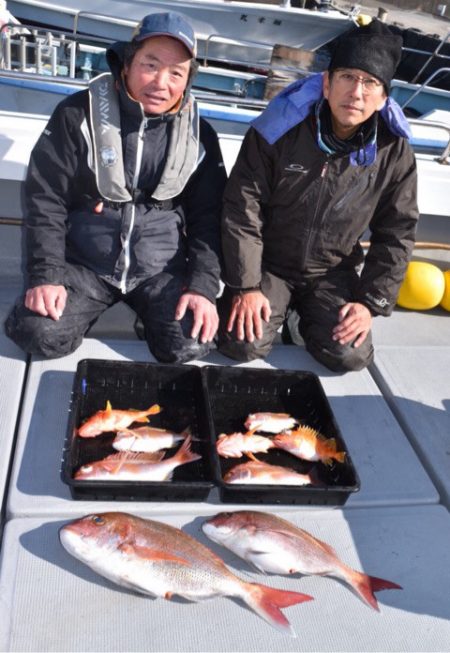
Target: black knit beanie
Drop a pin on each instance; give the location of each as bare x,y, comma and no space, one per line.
372,48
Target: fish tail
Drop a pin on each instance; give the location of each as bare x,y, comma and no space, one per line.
267,601
366,585
184,453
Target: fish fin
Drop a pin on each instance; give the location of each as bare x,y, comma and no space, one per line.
340,456
267,601
252,456
254,554
147,553
366,585
108,407
184,453
187,431
154,410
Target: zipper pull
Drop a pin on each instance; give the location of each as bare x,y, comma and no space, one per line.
324,170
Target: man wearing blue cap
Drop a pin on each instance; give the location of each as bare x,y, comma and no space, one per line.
123,197
328,159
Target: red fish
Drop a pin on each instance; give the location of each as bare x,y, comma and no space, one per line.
147,439
153,558
114,420
308,444
269,422
130,466
276,546
236,444
255,472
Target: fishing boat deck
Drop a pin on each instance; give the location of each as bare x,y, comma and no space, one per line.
395,420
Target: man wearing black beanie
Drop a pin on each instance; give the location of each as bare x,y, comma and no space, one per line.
327,159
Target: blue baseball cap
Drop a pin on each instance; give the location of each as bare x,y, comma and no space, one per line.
167,24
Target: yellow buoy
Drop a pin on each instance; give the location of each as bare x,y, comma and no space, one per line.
445,301
423,286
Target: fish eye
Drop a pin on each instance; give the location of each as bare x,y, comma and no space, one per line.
98,520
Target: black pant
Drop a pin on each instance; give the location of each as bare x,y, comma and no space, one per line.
311,309
88,297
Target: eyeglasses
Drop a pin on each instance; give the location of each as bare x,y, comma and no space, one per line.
369,84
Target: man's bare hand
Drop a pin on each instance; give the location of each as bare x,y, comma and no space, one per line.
248,311
47,300
355,322
206,319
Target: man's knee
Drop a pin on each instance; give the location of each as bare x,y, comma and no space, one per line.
342,358
242,350
176,352
39,335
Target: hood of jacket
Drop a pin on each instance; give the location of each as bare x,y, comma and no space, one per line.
298,100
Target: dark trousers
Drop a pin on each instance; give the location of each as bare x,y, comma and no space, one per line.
154,302
309,310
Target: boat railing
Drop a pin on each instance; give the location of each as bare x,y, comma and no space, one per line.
433,124
36,49
432,55
425,86
103,18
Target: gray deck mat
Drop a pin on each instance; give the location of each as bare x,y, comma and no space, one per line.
389,469
12,374
417,385
53,602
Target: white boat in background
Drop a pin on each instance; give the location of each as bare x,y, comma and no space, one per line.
225,29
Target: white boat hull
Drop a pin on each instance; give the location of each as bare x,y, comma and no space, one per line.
255,24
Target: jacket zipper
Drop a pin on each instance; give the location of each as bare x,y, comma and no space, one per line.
137,170
323,174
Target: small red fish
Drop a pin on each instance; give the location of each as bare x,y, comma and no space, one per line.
255,472
147,439
236,444
130,466
269,422
308,444
114,420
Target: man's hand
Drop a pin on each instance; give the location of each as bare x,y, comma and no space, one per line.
355,321
248,310
206,319
47,300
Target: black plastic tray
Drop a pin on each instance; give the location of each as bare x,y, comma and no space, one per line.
176,388
232,393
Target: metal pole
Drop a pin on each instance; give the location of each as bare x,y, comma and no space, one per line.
433,54
22,53
73,55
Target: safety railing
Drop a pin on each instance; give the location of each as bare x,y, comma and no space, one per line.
425,86
27,48
444,156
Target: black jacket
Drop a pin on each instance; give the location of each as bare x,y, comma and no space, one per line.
61,195
296,211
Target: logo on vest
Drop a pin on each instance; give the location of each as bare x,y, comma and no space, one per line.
108,156
104,107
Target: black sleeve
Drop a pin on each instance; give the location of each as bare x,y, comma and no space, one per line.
392,240
202,201
48,189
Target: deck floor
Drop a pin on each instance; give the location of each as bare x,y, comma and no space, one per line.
395,420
